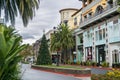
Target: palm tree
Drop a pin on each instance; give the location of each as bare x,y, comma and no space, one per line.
25,8
62,40
10,46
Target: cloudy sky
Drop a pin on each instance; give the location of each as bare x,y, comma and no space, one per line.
47,16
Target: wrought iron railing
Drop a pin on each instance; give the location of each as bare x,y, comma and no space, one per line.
107,8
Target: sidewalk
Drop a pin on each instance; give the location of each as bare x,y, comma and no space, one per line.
94,70
84,78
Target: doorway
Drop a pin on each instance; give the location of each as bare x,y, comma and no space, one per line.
101,54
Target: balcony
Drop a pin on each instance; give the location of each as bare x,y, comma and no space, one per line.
107,13
90,5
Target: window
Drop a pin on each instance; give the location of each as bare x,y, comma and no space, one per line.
115,21
103,33
100,34
115,55
81,38
85,17
65,14
99,9
75,21
114,30
90,15
88,34
96,35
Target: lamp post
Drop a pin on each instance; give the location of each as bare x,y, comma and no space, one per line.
57,59
57,62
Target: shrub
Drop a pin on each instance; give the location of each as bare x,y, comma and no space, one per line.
114,73
78,62
116,65
93,63
88,63
105,64
110,75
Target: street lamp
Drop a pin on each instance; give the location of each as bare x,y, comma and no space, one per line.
57,58
57,63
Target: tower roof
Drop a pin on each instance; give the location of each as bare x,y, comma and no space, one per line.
68,9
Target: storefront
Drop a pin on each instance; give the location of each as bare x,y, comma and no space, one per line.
115,53
80,53
100,53
88,53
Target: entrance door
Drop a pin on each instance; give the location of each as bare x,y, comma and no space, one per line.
101,54
101,57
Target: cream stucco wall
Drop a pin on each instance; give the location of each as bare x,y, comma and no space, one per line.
66,14
78,16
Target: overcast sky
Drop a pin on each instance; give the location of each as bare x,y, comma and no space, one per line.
47,16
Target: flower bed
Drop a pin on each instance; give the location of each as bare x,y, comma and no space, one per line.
111,75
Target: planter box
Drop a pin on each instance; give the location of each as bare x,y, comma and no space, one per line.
65,70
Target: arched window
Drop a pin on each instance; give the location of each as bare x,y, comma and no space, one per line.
115,56
99,9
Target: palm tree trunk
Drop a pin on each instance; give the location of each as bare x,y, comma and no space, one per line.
65,56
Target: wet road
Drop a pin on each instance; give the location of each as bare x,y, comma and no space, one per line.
31,74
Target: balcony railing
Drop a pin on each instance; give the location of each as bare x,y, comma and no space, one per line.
107,11
90,5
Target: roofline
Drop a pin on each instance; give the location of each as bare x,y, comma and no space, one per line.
68,9
77,12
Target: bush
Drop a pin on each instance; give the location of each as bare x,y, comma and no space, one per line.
116,65
110,75
114,73
78,62
94,64
105,64
88,63
69,62
100,77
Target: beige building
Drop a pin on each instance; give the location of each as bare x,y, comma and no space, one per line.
74,21
66,16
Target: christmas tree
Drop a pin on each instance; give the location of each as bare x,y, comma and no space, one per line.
44,57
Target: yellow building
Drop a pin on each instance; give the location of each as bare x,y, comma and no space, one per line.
91,8
66,16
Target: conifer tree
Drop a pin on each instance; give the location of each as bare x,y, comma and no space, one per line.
44,57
